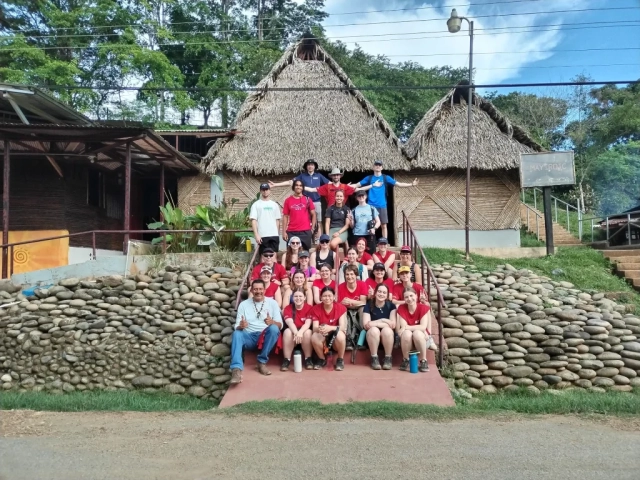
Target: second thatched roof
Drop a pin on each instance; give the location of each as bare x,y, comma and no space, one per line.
279,130
439,141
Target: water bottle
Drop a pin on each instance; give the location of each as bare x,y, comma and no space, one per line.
297,362
413,362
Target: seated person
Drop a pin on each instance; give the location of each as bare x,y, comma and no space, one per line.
324,281
384,255
272,289
404,282
378,276
303,266
297,330
353,295
338,220
255,316
352,259
406,260
363,256
324,255
379,321
278,273
413,319
290,256
329,325
298,282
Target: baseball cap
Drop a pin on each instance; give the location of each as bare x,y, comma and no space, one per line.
378,162
303,253
360,193
405,249
379,266
268,250
383,240
404,269
324,238
264,186
265,269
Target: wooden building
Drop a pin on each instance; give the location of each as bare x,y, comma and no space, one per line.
438,154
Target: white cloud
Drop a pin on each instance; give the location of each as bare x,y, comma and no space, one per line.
452,49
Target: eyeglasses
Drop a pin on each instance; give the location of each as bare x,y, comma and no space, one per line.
268,255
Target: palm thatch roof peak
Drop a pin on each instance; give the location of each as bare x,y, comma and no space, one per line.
281,129
439,141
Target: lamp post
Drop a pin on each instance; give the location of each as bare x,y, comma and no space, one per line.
453,24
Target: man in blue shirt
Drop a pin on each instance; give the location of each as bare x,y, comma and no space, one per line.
378,195
309,178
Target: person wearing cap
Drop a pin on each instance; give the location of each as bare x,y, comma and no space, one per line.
272,289
338,221
366,220
309,178
299,216
303,266
385,256
328,191
265,220
378,276
378,194
290,257
324,255
404,282
406,260
278,273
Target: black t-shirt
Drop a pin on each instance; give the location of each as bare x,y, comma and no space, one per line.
337,215
379,313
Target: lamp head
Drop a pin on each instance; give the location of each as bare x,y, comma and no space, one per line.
455,22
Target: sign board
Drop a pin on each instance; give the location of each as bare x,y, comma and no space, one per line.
547,169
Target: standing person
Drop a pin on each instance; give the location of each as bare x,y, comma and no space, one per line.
265,220
299,216
324,255
255,316
378,194
379,321
310,178
329,327
366,221
407,260
384,255
397,292
297,330
413,329
328,191
338,221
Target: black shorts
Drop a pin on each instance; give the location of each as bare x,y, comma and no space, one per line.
305,238
269,242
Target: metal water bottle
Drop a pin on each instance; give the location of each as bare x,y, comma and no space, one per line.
297,362
413,362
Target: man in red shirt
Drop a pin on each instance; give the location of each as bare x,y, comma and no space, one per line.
278,273
329,190
404,281
299,216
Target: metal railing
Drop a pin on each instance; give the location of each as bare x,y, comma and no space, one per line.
565,207
409,238
615,224
531,212
246,277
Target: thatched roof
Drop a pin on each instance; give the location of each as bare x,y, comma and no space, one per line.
439,141
279,130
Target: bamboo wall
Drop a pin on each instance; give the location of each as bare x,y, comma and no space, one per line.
438,202
246,187
194,191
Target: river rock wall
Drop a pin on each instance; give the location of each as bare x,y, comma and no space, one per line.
510,328
170,331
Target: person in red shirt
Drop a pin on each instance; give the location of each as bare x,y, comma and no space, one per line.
363,256
323,281
404,282
353,295
297,331
413,329
299,216
378,276
272,289
384,255
278,273
329,329
329,190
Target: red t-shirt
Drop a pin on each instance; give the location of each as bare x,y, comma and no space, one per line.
320,284
301,315
421,310
398,290
299,211
271,290
365,258
329,190
372,283
277,272
323,318
383,259
361,289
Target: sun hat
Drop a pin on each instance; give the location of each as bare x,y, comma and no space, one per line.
311,160
335,171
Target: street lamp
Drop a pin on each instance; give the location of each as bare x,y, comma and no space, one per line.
453,24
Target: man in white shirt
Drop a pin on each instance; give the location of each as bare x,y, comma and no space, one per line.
255,315
265,220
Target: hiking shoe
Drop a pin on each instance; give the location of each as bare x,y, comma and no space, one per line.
262,368
320,364
404,366
339,365
349,348
375,363
387,363
236,376
285,365
308,363
424,366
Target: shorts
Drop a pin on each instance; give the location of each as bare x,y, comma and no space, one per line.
305,238
384,216
318,207
343,236
269,242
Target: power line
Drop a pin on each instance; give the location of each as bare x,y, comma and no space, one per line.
530,51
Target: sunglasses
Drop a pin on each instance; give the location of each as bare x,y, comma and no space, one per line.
268,255
324,241
294,243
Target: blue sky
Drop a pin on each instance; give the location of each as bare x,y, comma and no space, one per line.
539,38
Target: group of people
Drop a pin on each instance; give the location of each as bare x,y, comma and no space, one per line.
318,304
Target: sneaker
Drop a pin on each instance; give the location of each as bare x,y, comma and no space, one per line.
404,366
387,363
339,365
236,376
308,363
320,363
285,365
424,366
349,348
375,363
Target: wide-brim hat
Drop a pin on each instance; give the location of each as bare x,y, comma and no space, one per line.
336,171
310,161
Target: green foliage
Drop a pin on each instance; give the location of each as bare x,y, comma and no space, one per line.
175,219
220,218
616,175
528,239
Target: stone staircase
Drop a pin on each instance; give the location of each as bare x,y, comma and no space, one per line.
561,237
627,264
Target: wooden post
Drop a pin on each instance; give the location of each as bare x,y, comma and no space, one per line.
5,207
548,220
127,196
161,189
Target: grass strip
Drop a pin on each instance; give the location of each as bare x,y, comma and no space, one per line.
102,401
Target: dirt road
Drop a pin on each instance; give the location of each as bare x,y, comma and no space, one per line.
203,445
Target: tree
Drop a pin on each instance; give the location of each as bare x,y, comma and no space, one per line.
616,178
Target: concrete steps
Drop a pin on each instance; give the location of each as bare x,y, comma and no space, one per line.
627,264
561,237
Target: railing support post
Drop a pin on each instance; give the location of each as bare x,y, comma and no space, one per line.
93,244
5,206
535,199
127,197
607,231
629,228
592,230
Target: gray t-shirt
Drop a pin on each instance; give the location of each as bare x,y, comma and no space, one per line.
338,216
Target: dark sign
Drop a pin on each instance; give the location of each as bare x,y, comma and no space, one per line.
547,169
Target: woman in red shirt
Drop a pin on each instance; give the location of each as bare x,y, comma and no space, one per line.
363,257
298,282
385,256
323,281
353,295
397,293
329,327
413,329
378,276
297,330
272,288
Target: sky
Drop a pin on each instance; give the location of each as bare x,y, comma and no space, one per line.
515,41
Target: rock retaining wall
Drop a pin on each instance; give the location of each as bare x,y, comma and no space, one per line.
168,332
510,328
